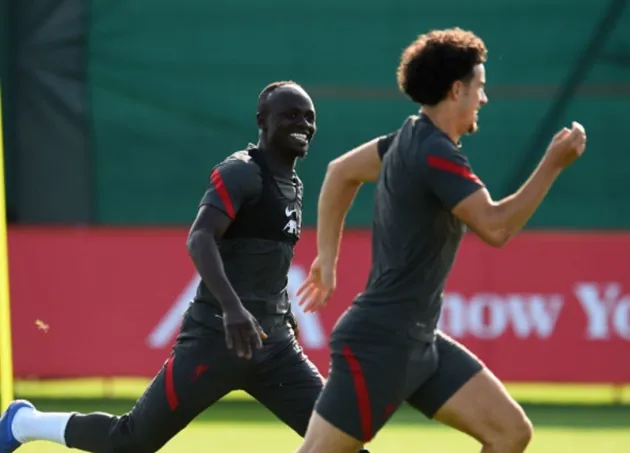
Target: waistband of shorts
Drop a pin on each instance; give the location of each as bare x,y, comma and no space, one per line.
209,313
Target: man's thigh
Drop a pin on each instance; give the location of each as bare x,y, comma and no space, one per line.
365,386
195,376
456,365
286,381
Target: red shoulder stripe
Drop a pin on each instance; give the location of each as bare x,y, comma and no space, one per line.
219,185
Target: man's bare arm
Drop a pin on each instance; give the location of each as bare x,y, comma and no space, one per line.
208,227
497,222
343,178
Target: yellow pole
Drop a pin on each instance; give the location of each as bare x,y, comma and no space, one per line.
6,352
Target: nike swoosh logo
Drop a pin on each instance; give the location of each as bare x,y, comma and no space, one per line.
288,212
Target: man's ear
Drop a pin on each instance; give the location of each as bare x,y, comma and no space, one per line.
457,90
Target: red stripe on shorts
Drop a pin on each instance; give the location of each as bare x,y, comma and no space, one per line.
171,394
363,397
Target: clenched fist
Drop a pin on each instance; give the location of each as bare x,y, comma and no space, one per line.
567,145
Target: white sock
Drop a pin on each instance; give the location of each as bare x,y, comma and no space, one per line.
30,424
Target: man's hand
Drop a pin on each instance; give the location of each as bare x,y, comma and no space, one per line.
567,146
318,287
242,332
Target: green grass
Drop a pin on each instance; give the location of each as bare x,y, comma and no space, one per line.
241,426
132,388
574,419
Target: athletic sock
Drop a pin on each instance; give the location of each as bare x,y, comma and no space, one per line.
30,424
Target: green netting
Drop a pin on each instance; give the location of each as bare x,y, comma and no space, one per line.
174,89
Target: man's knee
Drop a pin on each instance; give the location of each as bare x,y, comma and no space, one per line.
484,410
512,434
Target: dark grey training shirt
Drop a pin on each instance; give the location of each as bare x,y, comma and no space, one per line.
256,267
414,235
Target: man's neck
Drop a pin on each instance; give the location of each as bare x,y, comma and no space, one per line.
442,119
278,162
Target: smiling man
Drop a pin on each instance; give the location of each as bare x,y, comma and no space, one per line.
239,332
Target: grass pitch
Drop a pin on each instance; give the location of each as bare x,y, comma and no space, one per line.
239,425
245,427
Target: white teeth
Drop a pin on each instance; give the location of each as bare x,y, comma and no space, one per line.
299,136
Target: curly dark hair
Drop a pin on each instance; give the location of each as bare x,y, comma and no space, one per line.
266,92
435,60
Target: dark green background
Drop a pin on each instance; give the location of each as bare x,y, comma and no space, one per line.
171,90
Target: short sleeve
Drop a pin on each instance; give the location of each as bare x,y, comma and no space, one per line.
232,183
449,174
384,143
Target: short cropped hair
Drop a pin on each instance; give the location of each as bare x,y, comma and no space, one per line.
266,92
435,60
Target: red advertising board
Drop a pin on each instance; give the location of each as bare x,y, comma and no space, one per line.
108,302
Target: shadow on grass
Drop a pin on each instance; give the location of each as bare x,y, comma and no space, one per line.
566,416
